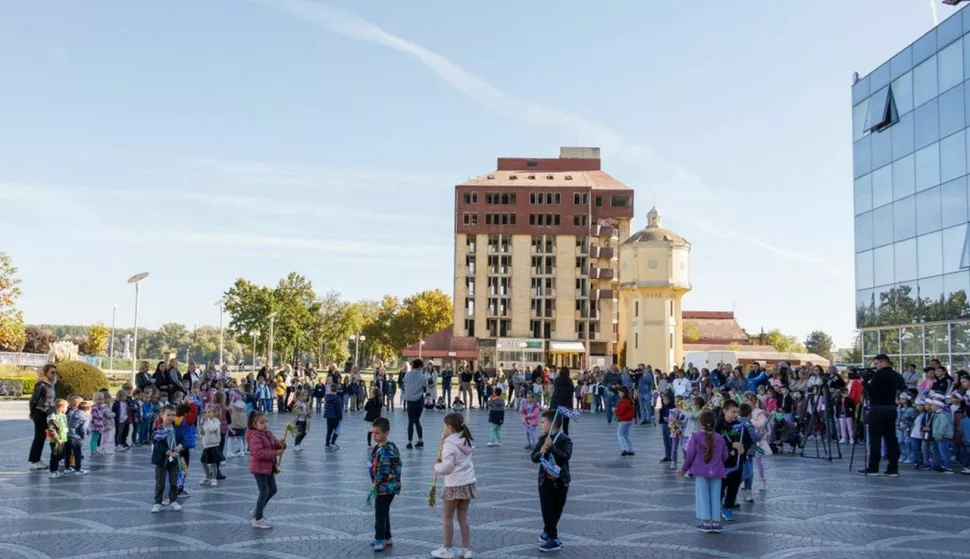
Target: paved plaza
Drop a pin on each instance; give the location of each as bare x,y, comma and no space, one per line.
617,508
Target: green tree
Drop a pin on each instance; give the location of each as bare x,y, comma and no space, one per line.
380,337
333,327
248,305
298,308
786,344
13,334
853,354
820,344
150,345
421,315
174,336
98,339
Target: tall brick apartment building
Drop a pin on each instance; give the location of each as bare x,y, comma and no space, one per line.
535,260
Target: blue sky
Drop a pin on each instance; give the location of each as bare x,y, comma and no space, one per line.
204,141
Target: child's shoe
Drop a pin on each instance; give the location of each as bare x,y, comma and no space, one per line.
156,508
68,471
55,475
727,514
204,482
748,497
551,545
966,470
213,483
378,545
175,506
762,485
262,524
466,554
704,528
80,472
443,553
543,537
165,502
717,528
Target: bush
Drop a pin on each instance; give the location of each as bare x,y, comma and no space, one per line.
77,377
29,383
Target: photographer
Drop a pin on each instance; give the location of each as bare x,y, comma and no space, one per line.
882,388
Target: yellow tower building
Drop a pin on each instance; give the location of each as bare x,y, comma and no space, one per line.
654,276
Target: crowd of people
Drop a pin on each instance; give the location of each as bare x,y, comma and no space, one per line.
716,425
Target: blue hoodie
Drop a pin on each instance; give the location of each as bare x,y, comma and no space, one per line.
333,407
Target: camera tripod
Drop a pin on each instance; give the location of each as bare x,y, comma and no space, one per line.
865,440
823,440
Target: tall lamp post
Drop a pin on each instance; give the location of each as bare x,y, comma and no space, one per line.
111,344
420,347
255,335
357,338
221,303
135,279
272,319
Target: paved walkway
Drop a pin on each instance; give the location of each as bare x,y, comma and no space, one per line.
617,508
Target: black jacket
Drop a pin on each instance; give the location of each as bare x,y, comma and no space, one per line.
562,392
143,380
40,400
561,450
884,386
372,409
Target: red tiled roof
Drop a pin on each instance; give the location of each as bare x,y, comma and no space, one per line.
715,327
443,343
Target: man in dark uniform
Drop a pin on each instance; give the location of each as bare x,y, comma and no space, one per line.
883,389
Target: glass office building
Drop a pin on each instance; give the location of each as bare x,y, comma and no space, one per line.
911,149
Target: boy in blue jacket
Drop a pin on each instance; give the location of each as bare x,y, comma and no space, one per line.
166,441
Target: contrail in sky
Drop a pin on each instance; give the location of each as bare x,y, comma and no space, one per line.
936,15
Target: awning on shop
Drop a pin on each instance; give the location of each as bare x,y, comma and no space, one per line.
567,347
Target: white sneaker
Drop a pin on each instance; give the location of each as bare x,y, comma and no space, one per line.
443,553
748,498
55,475
165,502
213,483
262,524
467,554
36,466
81,472
762,485
156,508
175,506
489,444
203,482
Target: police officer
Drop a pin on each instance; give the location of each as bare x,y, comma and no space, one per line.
883,389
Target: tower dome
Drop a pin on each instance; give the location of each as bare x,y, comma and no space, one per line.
654,231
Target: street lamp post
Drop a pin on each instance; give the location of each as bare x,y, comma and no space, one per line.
357,338
272,319
221,303
135,279
255,335
420,347
111,344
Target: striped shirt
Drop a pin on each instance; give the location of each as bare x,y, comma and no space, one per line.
415,383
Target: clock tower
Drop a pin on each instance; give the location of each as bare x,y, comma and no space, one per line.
654,277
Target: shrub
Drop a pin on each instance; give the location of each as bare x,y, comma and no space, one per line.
80,378
29,383
9,371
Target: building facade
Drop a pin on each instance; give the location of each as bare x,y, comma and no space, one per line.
536,261
911,211
654,277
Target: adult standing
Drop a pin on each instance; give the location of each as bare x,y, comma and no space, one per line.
465,377
143,379
431,374
412,392
883,389
479,379
611,383
162,381
517,378
562,395
446,375
646,396
176,379
40,406
911,377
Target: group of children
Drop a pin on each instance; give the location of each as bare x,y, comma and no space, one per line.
933,431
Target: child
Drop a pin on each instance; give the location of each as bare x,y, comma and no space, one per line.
428,402
624,413
333,412
319,392
97,423
73,423
385,475
263,450
372,412
666,405
237,429
747,469
458,405
440,404
121,420
762,425
675,421
556,448
78,425
496,417
942,430
389,389
739,443
107,407
690,418
459,471
57,435
301,419
265,396
210,446
916,434
928,443
964,427
147,411
185,418
905,420
530,419
704,460
165,455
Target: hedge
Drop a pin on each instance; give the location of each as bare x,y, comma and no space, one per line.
27,383
77,377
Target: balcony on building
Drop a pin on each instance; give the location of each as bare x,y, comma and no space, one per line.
602,294
601,273
601,252
604,232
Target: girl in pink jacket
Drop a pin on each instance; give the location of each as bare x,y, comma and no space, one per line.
263,450
530,419
456,465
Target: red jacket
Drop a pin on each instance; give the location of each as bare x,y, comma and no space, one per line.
624,410
262,451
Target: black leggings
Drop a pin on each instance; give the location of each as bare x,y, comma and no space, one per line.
332,424
415,408
267,488
40,437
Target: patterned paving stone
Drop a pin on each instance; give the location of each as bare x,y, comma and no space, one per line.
617,508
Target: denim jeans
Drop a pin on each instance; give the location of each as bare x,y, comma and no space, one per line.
915,446
931,454
610,404
267,488
623,435
943,448
707,498
747,473
965,457
646,407
665,431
